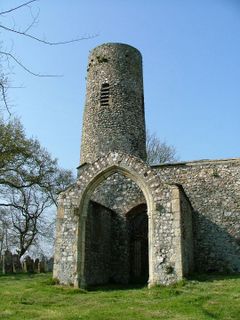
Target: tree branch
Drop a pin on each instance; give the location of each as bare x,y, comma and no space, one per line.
8,54
4,98
18,7
34,20
50,43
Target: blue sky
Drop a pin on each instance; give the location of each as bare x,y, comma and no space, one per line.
191,63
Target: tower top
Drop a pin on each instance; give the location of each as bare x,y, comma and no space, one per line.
115,45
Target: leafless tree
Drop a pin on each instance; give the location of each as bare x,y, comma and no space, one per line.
11,57
26,207
159,151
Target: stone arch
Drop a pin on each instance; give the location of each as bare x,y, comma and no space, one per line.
92,176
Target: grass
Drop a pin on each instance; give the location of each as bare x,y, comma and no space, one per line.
204,297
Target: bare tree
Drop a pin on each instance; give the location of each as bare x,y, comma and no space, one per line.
159,151
26,207
11,57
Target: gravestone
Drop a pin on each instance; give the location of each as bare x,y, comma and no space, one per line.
50,265
28,264
7,262
42,265
17,266
36,266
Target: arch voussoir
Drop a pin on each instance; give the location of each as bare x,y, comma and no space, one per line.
130,165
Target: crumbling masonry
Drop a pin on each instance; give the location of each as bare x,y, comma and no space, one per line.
124,221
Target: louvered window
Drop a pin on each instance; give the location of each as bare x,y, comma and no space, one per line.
104,96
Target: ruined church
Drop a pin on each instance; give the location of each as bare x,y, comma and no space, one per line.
124,221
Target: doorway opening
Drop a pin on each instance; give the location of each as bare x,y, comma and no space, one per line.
137,224
116,237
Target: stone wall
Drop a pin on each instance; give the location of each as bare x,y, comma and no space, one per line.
167,244
193,213
164,228
65,243
118,193
213,188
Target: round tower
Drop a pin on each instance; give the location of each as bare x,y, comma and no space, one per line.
114,109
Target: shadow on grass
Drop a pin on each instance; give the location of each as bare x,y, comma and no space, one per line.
114,287
205,277
210,277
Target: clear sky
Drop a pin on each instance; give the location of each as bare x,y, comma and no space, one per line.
191,63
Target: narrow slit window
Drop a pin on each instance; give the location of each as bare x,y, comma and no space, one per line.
104,96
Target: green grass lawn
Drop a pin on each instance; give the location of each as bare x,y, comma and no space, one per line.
204,297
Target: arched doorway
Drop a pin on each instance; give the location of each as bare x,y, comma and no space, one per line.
108,249
137,224
105,254
90,177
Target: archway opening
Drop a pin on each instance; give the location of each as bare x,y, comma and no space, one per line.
116,233
137,224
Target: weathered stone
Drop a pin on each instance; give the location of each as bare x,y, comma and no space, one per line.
114,115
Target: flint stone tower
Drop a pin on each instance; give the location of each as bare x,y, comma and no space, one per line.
114,110
125,221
